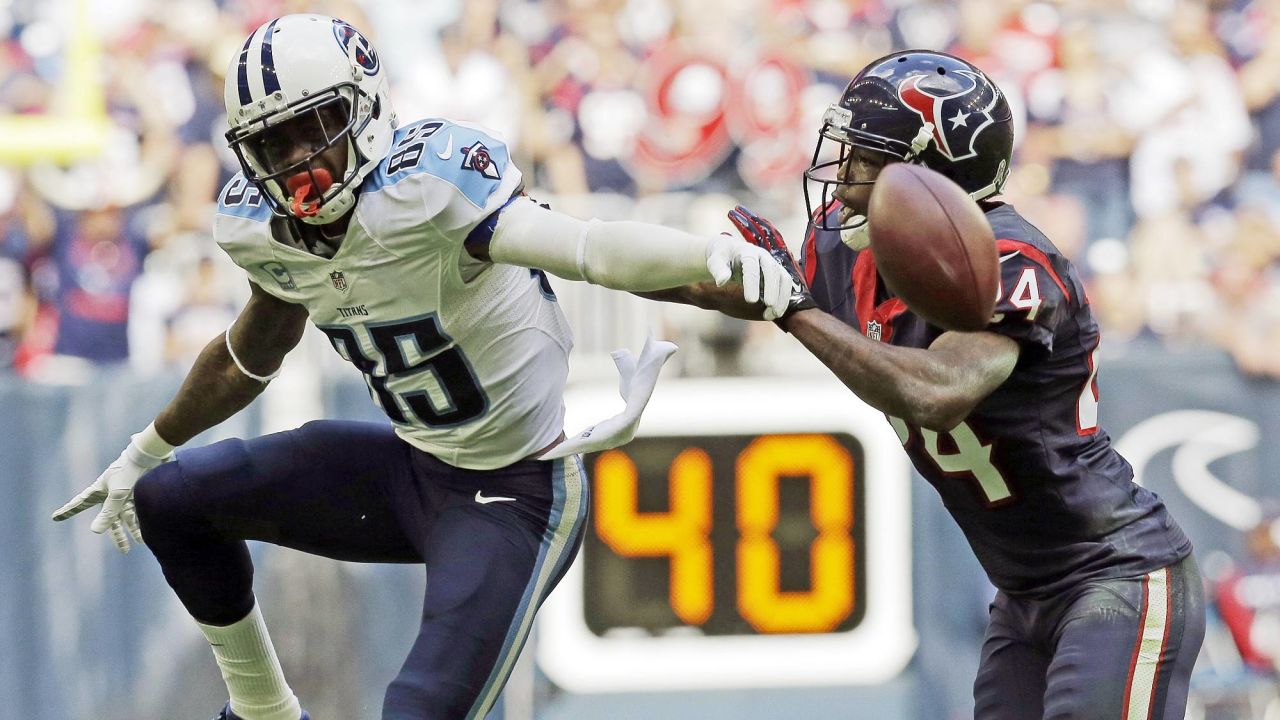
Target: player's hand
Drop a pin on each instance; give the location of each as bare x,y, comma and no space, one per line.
761,233
763,278
637,378
113,490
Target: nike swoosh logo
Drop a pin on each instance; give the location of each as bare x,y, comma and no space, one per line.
496,498
448,150
1012,254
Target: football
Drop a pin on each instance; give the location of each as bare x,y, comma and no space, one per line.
933,247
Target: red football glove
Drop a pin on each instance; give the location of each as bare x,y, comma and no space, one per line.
761,233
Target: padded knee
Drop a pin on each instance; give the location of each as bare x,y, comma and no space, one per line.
212,575
160,496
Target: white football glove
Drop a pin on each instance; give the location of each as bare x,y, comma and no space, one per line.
727,254
637,378
114,491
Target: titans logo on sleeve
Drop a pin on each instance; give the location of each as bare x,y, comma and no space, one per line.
477,158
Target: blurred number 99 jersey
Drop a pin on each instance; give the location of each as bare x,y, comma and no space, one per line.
467,358
1029,476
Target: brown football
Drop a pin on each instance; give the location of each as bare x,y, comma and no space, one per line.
933,247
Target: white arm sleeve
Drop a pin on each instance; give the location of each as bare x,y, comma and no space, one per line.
622,255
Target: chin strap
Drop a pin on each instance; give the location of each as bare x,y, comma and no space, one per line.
857,237
921,141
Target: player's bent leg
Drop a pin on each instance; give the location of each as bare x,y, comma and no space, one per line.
327,487
1126,648
496,549
211,573
1011,673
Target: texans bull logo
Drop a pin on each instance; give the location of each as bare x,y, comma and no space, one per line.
356,46
958,118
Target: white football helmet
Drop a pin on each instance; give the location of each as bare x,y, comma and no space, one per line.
301,85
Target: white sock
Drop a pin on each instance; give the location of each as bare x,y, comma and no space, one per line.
251,669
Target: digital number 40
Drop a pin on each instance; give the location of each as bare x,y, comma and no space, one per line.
683,532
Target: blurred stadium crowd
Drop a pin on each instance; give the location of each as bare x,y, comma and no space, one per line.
1149,143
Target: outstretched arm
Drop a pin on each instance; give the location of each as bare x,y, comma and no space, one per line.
760,233
215,388
632,256
709,296
935,387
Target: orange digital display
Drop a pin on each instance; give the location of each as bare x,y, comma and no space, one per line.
738,535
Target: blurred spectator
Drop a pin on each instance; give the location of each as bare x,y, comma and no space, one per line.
1116,293
1134,121
1192,154
26,227
1171,264
1236,676
203,313
1260,189
586,80
1245,316
1247,595
13,308
1086,144
1252,33
98,254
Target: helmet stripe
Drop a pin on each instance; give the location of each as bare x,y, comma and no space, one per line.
242,72
270,83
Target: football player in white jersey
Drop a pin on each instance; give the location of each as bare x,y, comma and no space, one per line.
416,252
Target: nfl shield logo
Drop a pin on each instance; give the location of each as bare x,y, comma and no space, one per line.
339,280
873,330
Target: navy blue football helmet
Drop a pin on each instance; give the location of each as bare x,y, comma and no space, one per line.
917,106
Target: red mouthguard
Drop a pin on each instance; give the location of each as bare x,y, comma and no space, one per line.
300,188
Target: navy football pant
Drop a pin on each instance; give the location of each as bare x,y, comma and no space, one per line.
357,492
1110,650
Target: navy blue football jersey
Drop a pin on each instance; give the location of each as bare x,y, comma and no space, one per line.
1030,477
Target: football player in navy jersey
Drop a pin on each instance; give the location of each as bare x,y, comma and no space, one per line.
414,250
1100,610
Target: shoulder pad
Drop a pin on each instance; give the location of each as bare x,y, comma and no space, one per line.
464,156
243,199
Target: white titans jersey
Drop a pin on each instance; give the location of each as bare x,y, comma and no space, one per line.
468,359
